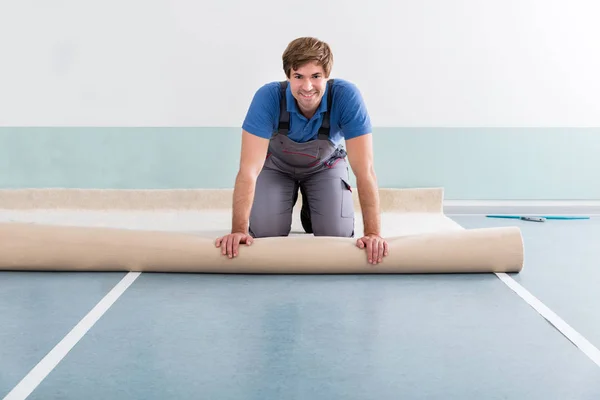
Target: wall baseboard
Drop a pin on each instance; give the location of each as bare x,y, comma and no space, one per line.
522,207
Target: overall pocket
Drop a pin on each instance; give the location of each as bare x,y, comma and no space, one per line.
347,199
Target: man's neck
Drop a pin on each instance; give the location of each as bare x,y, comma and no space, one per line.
308,114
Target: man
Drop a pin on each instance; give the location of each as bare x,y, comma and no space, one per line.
291,141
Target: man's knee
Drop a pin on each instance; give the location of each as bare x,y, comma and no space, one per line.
331,209
271,213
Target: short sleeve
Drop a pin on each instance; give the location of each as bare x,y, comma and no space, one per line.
263,113
354,117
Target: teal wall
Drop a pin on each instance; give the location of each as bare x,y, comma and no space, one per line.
470,163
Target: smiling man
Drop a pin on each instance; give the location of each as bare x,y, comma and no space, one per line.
292,141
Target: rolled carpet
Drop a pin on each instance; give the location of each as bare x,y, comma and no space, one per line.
40,247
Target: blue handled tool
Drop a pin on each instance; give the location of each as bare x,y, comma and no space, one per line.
566,217
538,219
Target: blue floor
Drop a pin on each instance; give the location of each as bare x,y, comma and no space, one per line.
179,336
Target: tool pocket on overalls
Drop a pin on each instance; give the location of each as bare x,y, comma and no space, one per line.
300,154
306,152
347,199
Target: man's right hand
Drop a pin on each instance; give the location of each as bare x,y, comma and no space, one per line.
230,243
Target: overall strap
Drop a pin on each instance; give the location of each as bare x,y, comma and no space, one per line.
324,129
284,115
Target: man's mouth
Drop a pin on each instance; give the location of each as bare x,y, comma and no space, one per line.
307,95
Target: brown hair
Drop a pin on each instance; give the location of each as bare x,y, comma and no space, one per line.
304,50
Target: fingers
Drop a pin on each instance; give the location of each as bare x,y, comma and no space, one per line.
224,244
370,251
227,245
380,250
235,246
377,248
373,250
230,244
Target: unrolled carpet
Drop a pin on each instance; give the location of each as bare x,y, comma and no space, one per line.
421,240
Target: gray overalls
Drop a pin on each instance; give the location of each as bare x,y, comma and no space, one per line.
318,168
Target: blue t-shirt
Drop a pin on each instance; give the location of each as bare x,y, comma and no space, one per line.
348,117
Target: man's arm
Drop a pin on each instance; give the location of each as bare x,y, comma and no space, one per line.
360,157
252,159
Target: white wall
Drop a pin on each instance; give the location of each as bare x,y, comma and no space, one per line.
198,63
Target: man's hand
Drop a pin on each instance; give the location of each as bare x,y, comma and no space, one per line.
377,247
230,243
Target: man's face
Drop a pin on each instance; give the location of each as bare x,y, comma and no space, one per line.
308,84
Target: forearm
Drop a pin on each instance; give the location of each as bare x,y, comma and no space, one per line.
243,196
368,195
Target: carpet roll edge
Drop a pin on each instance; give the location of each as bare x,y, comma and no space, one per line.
418,199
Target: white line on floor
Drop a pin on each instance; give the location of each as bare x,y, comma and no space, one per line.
47,364
575,337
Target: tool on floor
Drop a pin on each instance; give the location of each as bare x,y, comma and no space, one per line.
538,218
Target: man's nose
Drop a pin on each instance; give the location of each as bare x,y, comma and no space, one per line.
307,85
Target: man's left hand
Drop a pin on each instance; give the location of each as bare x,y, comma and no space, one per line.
376,246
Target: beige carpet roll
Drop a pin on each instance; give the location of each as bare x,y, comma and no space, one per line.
38,247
